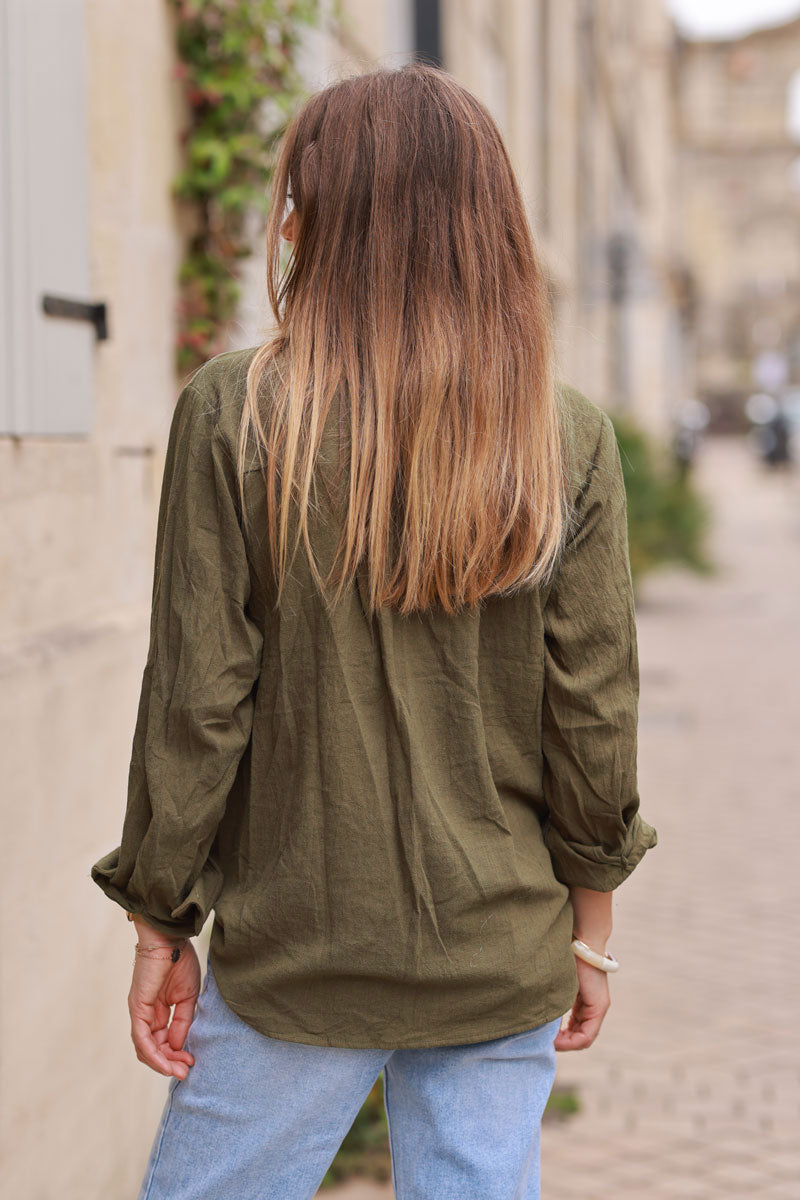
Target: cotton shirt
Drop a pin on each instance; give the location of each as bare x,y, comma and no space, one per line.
385,813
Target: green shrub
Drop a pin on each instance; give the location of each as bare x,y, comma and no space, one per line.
562,1102
668,519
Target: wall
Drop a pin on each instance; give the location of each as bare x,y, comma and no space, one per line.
76,545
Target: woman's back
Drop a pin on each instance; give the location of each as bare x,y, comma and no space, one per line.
398,802
387,725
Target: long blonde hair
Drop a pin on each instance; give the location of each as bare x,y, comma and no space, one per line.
413,284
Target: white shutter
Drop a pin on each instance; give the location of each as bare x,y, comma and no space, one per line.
46,372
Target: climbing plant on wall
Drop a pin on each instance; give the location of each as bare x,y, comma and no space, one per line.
236,62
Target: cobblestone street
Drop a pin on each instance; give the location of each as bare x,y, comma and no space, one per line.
693,1086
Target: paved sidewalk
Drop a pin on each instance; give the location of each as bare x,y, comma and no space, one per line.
693,1087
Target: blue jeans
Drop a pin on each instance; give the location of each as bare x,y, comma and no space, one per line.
258,1118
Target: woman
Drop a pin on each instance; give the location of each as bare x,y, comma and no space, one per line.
400,765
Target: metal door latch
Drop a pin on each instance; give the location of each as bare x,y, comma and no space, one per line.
79,310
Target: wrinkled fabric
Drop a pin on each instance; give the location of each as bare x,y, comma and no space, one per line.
386,813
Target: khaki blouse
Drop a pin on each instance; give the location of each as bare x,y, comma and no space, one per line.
384,814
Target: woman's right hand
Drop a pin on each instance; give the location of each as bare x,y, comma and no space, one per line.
587,1013
157,985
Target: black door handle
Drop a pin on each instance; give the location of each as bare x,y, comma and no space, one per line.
78,310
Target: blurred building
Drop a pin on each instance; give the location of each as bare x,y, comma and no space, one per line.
584,93
601,179
739,199
90,245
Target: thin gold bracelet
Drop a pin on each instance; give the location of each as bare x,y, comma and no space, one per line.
174,954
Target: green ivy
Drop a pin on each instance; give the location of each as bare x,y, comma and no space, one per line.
237,67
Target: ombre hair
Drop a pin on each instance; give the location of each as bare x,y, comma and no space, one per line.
413,284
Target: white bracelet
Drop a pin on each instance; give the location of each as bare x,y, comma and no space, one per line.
606,962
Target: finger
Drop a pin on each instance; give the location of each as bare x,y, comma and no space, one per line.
576,1016
571,1039
182,1056
182,1016
161,1014
156,1017
162,1044
581,1034
147,1050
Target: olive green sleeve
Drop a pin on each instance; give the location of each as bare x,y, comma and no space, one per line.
196,703
593,831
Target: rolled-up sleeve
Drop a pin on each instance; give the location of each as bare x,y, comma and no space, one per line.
593,829
196,704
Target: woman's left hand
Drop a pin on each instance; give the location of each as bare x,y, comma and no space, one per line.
158,983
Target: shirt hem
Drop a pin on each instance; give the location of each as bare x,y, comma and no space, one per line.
461,1037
